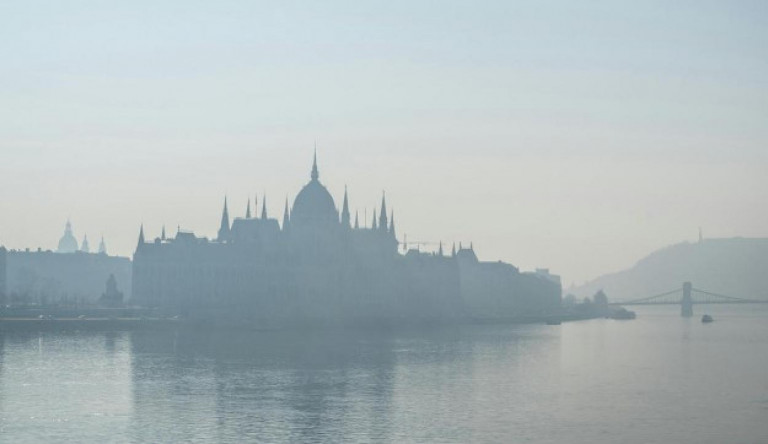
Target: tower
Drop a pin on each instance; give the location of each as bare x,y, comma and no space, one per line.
85,248
383,214
286,217
314,175
392,225
264,208
345,211
686,306
248,210
373,224
141,238
103,246
224,228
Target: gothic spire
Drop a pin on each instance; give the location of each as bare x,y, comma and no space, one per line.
453,250
85,247
315,173
162,234
264,207
345,210
383,213
392,224
102,246
286,216
373,224
440,249
357,220
224,227
141,236
248,210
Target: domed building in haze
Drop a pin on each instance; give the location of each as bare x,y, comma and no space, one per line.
317,266
67,243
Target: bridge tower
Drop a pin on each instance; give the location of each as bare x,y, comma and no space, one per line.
686,309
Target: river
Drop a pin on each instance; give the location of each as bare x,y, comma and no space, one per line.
657,379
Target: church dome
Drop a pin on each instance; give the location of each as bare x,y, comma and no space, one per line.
67,243
314,204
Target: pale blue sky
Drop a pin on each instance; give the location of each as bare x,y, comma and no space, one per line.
573,135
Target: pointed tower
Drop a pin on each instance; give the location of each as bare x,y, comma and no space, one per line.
392,224
286,217
440,249
85,248
315,175
383,214
264,208
224,228
162,234
248,210
345,211
141,237
373,224
357,220
453,250
102,246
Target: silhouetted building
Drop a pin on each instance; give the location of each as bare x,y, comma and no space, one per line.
45,277
317,265
3,277
67,243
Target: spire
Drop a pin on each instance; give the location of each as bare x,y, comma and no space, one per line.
248,210
68,227
162,234
440,249
264,207
392,224
141,235
102,246
286,216
373,224
224,228
471,246
315,174
85,248
357,221
345,210
383,213
453,250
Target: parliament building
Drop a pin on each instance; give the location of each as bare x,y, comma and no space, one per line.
318,264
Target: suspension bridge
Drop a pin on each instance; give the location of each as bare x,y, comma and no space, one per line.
686,297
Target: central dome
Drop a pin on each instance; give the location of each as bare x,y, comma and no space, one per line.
67,243
314,204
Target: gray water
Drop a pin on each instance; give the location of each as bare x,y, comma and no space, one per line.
657,379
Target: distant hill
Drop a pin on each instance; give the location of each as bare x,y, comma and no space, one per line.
734,267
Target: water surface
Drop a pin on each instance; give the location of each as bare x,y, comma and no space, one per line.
657,379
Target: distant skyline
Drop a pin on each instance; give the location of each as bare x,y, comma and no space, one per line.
575,137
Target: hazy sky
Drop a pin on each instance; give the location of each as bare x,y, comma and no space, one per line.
577,136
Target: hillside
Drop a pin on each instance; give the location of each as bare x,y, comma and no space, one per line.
735,267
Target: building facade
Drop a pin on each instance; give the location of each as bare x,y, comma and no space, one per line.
319,264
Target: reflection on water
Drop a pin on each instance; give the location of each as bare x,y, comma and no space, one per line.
657,379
